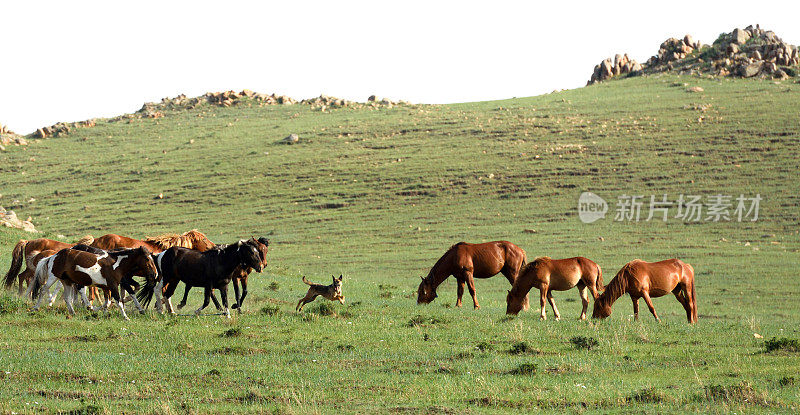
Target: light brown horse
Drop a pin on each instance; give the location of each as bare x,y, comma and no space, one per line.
83,269
466,262
550,275
192,239
643,279
26,251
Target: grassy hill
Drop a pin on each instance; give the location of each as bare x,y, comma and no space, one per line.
378,194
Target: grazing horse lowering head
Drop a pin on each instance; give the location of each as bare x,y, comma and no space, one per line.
601,310
426,292
514,303
249,255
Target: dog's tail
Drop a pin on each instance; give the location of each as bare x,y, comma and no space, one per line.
306,281
17,256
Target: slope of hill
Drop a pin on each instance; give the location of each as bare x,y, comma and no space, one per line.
378,193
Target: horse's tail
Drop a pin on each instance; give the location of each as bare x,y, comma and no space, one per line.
145,294
693,294
38,275
306,281
17,256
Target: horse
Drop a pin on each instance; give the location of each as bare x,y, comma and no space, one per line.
25,251
466,262
76,268
210,269
240,274
550,275
643,279
192,239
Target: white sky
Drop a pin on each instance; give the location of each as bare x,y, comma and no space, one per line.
69,61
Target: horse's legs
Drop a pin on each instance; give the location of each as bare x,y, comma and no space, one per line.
471,288
223,294
85,299
553,304
681,294
635,308
649,302
459,291
25,277
158,290
215,301
53,297
542,296
68,292
114,289
185,296
132,293
244,294
236,294
207,297
45,291
168,296
583,291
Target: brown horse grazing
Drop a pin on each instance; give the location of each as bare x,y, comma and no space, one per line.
83,269
192,239
550,275
466,262
25,251
643,279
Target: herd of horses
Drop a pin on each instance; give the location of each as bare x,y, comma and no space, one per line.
638,278
110,262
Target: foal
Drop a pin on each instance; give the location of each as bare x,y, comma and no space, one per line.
550,275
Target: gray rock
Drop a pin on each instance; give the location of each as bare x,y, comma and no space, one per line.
291,139
749,70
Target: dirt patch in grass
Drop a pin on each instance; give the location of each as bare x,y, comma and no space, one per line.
782,344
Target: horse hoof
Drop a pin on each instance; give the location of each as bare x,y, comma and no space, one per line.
142,312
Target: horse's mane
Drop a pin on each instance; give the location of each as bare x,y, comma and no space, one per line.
441,259
187,240
86,240
533,264
618,285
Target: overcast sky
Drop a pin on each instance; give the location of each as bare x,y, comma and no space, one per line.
69,61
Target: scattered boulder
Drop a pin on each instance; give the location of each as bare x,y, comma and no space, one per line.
695,89
291,139
9,219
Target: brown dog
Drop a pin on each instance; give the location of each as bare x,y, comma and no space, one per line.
332,292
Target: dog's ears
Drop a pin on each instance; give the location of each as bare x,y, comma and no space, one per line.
341,277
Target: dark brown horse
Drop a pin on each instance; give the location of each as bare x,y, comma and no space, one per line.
466,262
239,275
25,252
78,269
550,275
645,280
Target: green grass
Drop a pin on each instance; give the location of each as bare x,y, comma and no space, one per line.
378,195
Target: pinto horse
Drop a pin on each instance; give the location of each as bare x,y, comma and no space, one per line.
76,268
643,279
210,269
25,252
239,275
550,275
466,262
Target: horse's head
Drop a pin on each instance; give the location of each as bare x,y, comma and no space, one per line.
601,309
262,245
145,266
514,304
199,241
248,255
426,292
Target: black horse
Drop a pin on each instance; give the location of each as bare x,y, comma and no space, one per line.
238,276
210,269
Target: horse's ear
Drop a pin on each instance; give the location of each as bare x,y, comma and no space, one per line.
422,278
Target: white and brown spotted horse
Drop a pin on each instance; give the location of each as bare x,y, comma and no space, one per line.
76,269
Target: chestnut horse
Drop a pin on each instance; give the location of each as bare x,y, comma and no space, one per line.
643,279
466,262
26,251
78,269
550,275
192,239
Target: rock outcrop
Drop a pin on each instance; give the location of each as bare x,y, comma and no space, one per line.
9,219
621,64
744,53
8,137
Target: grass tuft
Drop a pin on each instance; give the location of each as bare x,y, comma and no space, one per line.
523,369
232,332
270,310
584,343
782,344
